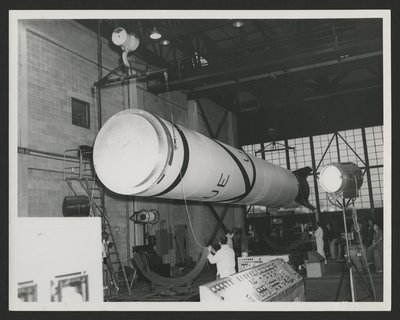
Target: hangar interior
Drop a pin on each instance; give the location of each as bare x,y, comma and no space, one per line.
294,92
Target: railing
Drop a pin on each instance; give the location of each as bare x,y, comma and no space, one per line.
82,168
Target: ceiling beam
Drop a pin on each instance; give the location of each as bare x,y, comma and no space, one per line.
265,33
328,67
218,74
328,114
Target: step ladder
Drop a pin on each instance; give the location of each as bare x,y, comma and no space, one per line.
80,177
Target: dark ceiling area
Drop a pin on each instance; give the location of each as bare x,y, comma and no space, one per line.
283,78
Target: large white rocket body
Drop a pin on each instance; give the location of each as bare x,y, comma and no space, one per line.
137,153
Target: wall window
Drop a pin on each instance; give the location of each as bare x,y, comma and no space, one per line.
275,153
80,113
374,137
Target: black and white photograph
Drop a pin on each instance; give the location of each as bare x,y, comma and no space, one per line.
200,160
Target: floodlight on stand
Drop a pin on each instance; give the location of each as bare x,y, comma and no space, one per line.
155,35
344,180
127,41
341,178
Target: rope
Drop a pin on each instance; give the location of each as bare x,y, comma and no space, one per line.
123,94
170,110
188,215
295,158
180,172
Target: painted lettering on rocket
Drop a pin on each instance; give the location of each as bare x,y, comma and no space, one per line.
162,177
216,192
246,159
222,182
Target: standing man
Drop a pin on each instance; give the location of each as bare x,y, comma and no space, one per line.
224,258
370,232
376,248
333,241
319,239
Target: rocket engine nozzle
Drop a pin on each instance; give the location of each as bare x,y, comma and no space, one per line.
304,188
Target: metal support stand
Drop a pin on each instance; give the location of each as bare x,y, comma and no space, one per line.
350,269
349,265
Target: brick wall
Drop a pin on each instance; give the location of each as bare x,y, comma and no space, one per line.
58,61
54,76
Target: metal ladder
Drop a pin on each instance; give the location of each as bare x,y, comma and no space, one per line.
78,173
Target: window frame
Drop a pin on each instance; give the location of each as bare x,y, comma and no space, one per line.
74,102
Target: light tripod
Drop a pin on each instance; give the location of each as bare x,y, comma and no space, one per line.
350,267
342,181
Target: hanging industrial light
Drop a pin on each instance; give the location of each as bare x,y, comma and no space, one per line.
341,178
237,23
165,42
155,35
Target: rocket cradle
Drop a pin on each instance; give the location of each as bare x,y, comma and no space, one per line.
138,153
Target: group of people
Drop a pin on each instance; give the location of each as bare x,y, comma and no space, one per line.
329,241
372,239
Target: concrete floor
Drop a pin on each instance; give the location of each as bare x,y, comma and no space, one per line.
326,288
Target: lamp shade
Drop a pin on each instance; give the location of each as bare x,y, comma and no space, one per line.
155,35
337,178
237,23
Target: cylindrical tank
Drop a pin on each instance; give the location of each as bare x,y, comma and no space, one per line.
138,153
76,206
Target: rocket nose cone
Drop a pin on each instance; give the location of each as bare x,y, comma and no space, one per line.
129,152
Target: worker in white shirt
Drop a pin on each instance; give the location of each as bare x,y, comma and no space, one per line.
224,257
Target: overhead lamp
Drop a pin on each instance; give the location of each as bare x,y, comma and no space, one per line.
127,41
165,42
155,35
237,23
341,179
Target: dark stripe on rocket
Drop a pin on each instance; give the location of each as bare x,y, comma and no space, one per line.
184,167
246,179
170,142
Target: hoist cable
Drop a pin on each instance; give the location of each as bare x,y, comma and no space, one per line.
180,172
